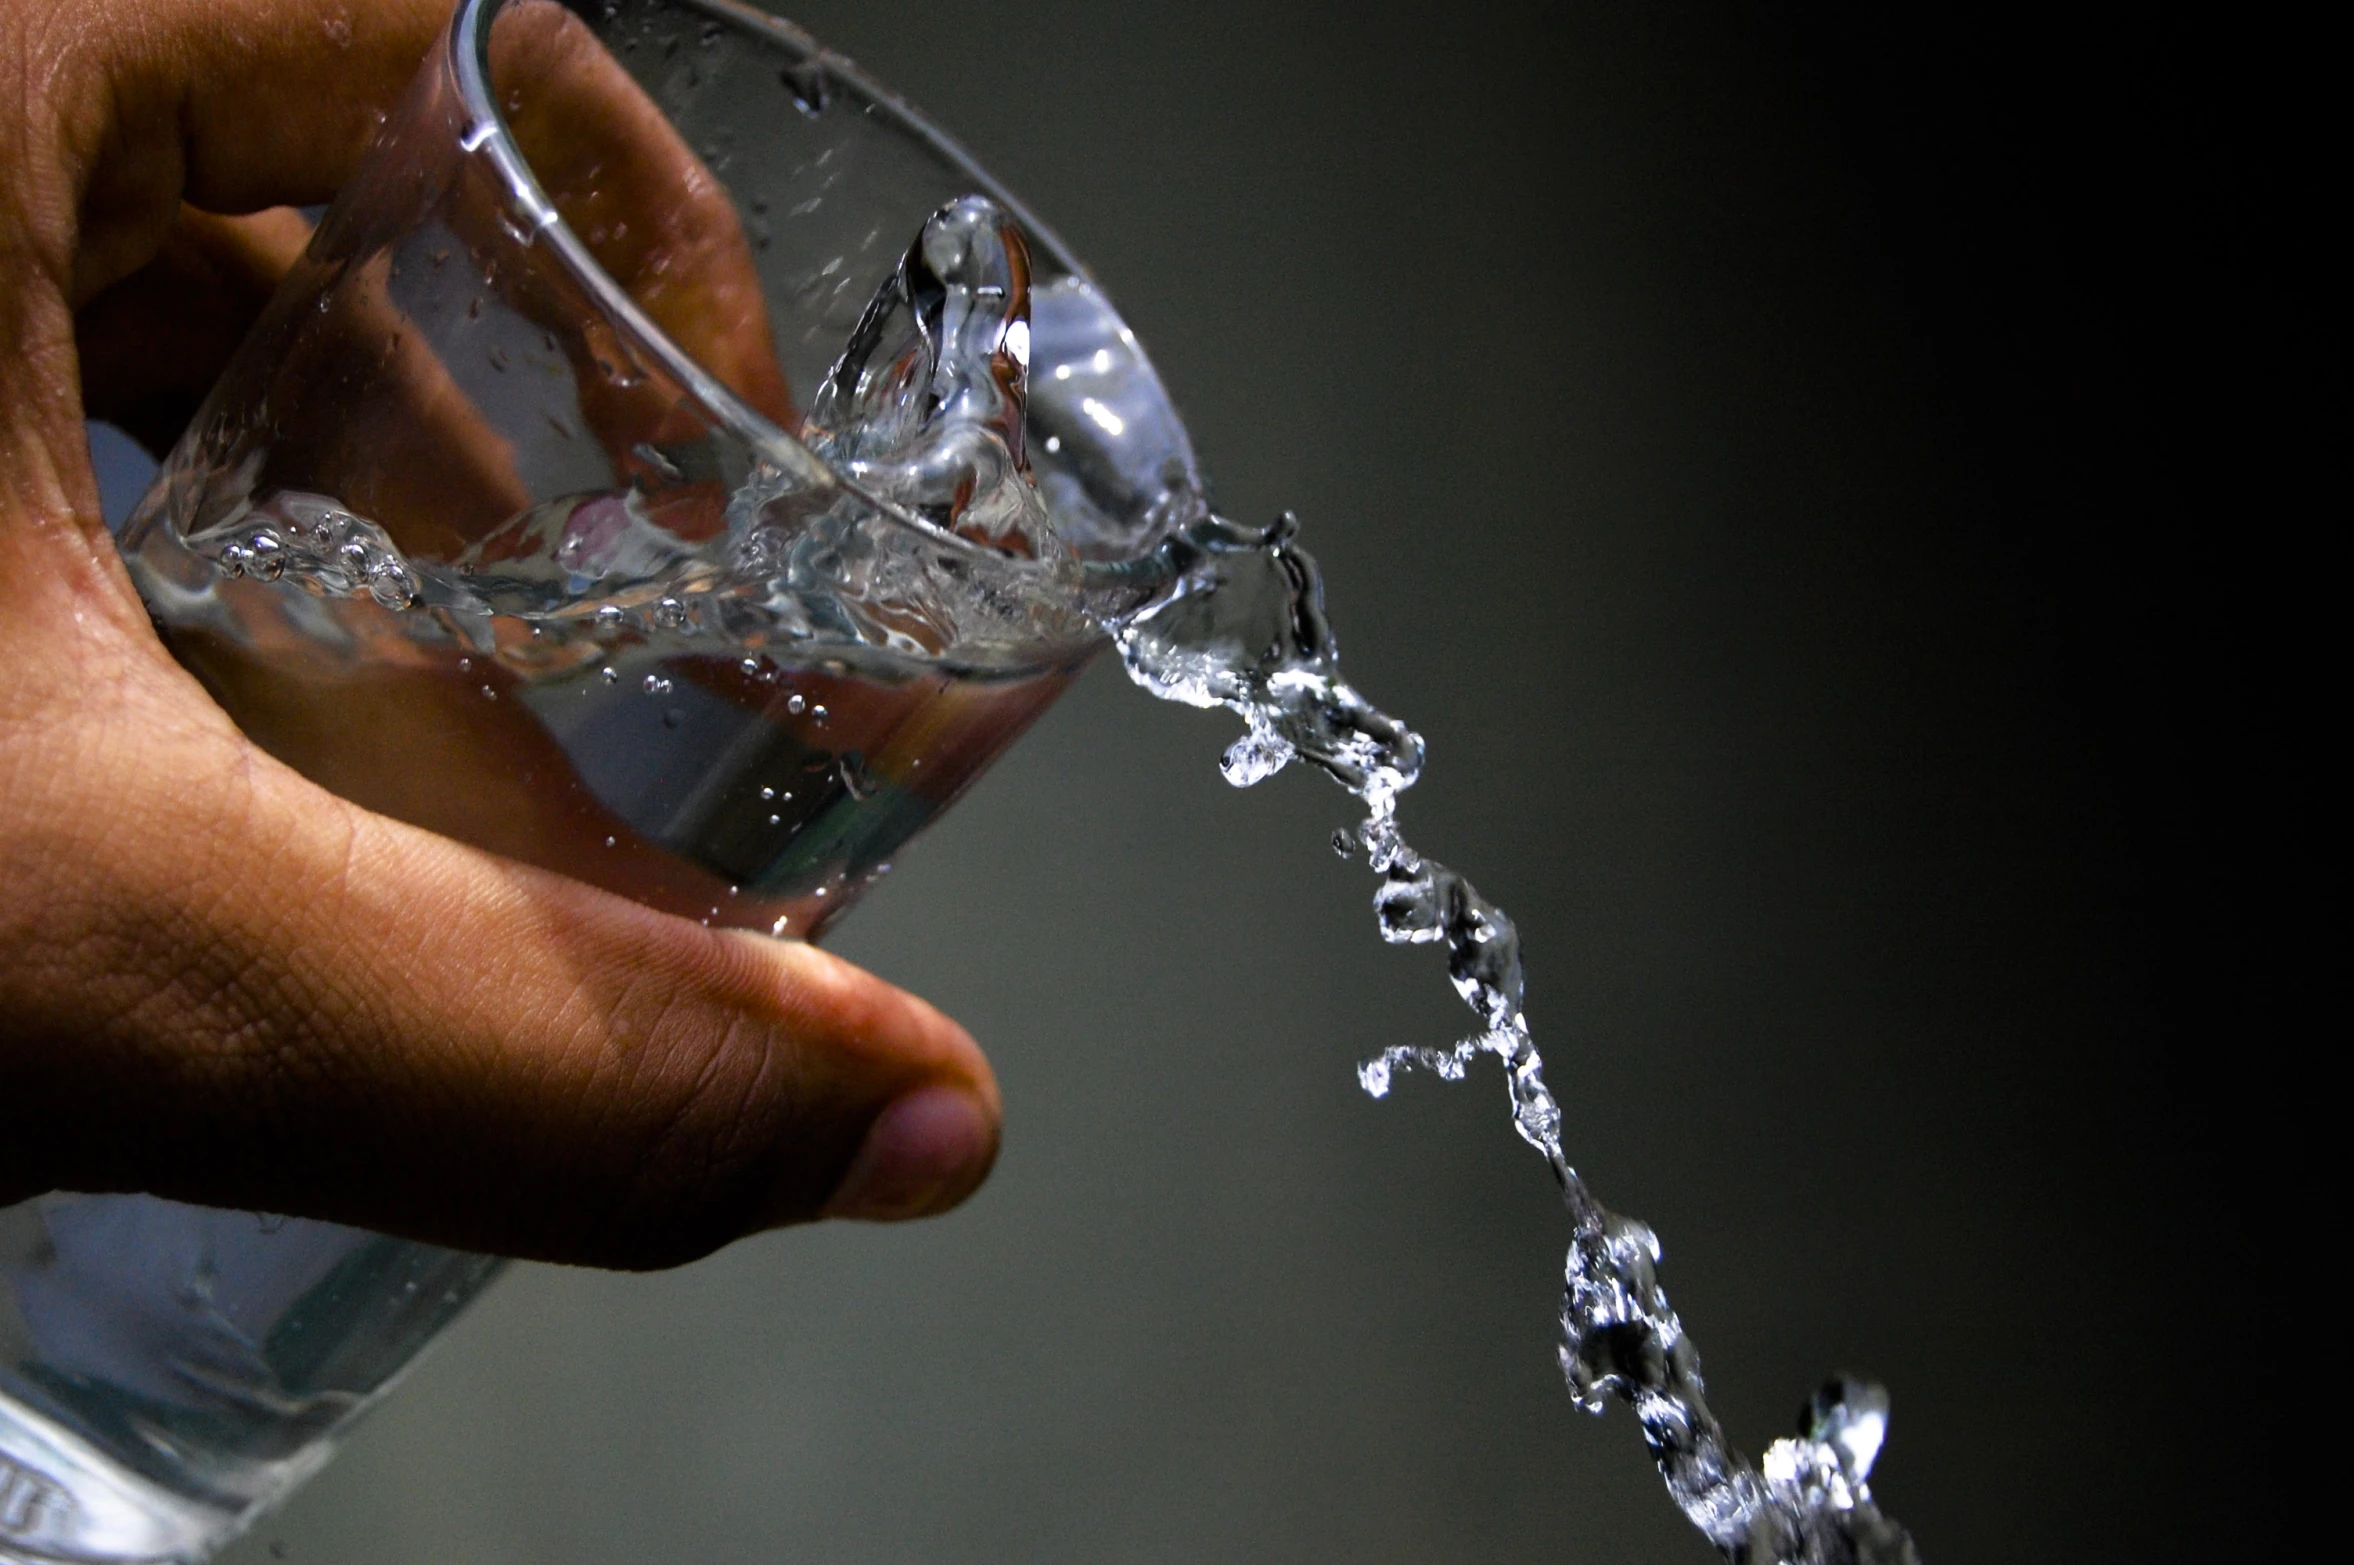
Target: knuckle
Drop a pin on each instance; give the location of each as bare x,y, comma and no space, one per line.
708,1098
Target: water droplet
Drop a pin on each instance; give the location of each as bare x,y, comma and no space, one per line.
817,715
465,665
609,617
751,667
489,694
768,793
612,842
808,84
1344,842
797,703
776,820
609,674
670,614
656,685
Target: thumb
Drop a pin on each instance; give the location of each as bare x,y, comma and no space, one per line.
220,983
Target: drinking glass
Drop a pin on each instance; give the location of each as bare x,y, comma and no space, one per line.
672,462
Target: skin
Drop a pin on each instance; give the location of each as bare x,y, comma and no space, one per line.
219,982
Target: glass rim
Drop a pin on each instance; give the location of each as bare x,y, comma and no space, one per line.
468,43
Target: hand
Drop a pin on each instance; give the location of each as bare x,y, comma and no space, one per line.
219,982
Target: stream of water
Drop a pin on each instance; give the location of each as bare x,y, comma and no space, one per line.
1244,627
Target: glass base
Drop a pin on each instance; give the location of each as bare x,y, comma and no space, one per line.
170,1372
61,1499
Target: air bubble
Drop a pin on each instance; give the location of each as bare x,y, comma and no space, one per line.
796,703
609,674
767,793
655,685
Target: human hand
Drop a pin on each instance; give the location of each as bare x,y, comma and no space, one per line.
219,982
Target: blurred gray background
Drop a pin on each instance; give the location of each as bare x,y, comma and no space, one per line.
1589,353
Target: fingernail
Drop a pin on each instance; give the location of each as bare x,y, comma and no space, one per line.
922,1154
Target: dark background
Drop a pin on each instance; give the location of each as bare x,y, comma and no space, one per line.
1807,474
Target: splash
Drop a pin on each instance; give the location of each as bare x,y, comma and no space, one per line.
1241,624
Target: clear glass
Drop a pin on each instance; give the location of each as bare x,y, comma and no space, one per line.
614,485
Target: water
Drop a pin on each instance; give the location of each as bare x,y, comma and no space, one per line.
735,701
735,704
1242,625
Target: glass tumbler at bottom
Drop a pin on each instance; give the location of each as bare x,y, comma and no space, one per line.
703,551
168,1371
